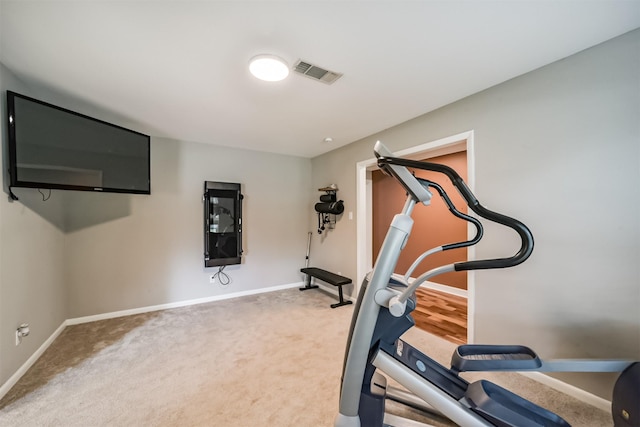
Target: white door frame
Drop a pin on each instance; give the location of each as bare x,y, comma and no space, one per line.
452,144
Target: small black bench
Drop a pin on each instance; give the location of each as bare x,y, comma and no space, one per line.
328,277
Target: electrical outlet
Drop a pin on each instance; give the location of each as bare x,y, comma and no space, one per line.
21,332
212,278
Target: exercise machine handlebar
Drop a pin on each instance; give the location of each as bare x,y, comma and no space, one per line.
454,211
394,164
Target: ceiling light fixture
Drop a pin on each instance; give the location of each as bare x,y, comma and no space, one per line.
269,68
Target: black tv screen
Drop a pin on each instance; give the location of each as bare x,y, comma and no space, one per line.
52,147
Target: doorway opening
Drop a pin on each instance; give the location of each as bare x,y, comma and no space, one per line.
462,142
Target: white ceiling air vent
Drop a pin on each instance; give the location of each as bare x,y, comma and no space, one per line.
316,73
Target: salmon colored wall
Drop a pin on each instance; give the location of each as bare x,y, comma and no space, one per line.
433,225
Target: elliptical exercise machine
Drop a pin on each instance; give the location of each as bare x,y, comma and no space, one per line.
383,313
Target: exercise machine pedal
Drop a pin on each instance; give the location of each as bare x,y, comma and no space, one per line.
479,357
506,409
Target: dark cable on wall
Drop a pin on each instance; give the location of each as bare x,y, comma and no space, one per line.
43,196
223,278
12,196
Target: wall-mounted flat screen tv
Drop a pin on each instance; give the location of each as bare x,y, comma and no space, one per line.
52,147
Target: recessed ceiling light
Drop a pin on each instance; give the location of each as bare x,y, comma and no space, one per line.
328,140
269,68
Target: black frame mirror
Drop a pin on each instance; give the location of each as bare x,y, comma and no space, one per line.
222,223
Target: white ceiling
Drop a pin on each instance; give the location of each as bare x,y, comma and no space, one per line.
180,68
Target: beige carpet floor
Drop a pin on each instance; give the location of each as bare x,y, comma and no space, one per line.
266,360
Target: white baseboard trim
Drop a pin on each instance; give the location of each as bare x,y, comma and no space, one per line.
568,389
30,361
443,288
446,289
114,314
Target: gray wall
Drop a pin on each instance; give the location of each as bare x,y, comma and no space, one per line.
154,254
32,285
558,148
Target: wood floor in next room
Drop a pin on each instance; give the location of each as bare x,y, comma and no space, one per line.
442,314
